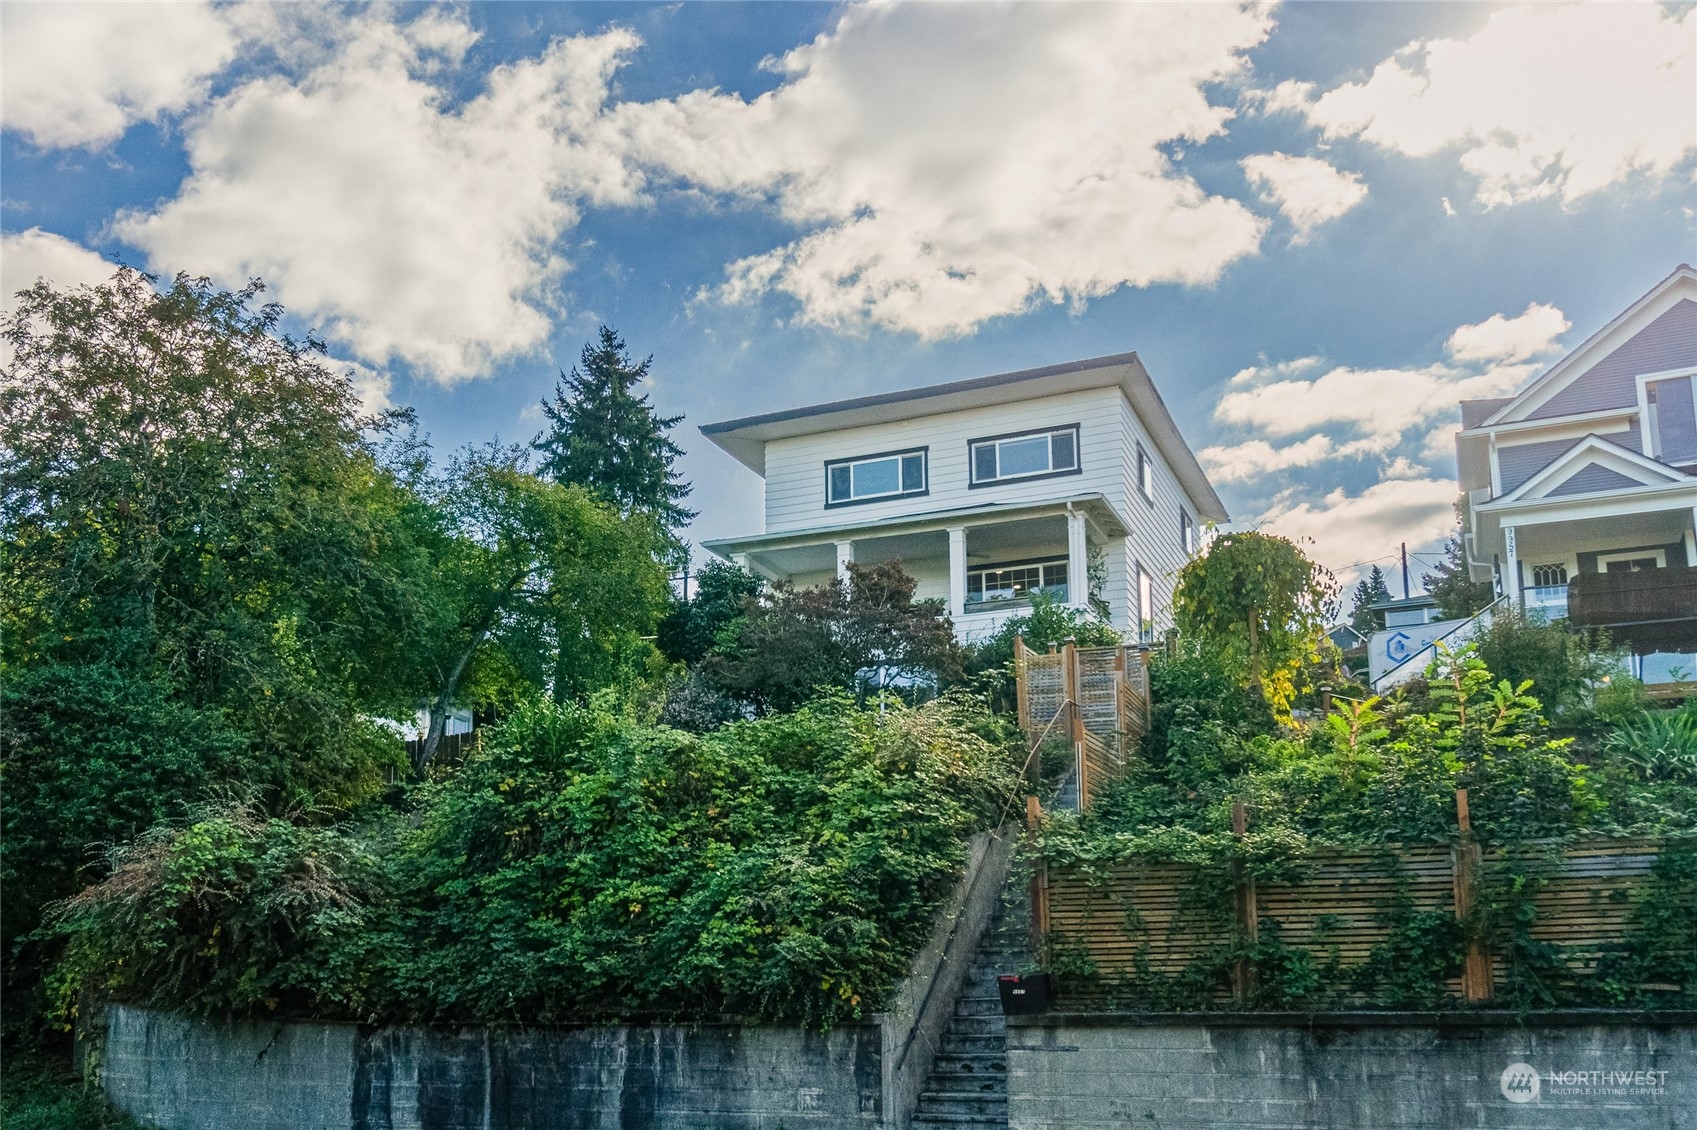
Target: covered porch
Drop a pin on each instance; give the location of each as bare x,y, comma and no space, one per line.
983,565
1626,564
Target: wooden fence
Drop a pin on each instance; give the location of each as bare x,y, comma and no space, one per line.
1145,922
1096,698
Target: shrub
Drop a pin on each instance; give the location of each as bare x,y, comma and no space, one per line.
583,866
1658,745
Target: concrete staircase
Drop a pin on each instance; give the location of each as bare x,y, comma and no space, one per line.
968,1085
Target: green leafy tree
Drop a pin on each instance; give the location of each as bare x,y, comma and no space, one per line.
792,642
1457,594
688,632
607,438
212,573
542,582
1262,603
1370,590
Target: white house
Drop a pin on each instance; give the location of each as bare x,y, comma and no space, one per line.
1580,491
1071,479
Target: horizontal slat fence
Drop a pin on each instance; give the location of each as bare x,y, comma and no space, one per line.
1142,921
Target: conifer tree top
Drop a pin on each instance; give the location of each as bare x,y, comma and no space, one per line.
606,437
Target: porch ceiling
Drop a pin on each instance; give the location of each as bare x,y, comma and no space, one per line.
1618,530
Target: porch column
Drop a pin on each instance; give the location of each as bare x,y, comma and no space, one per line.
1511,565
1078,564
1691,541
845,554
740,560
957,572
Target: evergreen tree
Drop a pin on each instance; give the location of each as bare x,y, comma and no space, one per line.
1457,594
607,439
1369,591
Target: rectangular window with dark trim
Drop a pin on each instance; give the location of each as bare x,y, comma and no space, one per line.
1187,533
868,478
1024,455
1145,474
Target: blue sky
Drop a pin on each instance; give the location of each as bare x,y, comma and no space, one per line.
1319,224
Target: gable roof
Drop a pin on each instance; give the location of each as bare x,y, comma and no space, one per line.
1658,300
1586,457
745,439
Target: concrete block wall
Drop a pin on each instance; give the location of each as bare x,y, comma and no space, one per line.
1385,1071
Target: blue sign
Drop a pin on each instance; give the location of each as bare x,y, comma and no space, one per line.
1396,647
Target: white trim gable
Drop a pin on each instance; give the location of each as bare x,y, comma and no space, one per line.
1595,451
1679,286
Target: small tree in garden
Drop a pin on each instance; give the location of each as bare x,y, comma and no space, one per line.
792,642
1262,603
688,631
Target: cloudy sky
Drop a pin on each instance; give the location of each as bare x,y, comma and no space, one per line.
1319,224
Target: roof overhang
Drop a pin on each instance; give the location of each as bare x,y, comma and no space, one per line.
1676,287
745,439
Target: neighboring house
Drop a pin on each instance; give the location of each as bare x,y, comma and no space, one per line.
1071,480
1407,611
1580,491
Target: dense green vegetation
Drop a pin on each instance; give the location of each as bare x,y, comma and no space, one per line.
1376,773
584,865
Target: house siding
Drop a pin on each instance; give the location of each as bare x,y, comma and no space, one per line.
1521,461
1156,542
1593,478
1669,342
795,468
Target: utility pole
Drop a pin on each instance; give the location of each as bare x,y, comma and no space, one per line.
1405,570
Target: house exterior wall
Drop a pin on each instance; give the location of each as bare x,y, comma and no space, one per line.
1110,436
795,467
1156,542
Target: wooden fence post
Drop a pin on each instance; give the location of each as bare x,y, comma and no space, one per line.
1021,698
1039,886
1245,910
1476,975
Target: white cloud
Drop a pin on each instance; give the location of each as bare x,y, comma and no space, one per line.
81,74
1347,528
950,164
1498,339
406,227
1307,190
1543,100
1242,462
35,254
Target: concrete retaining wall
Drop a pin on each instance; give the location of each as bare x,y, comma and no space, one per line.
1386,1071
184,1074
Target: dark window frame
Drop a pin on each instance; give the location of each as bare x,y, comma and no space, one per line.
1145,475
974,483
1187,538
924,452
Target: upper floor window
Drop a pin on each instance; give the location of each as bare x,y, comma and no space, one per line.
1187,532
1145,474
1672,419
890,474
1025,455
